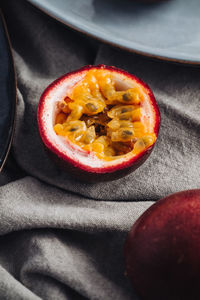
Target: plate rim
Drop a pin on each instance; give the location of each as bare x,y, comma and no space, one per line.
8,146
73,26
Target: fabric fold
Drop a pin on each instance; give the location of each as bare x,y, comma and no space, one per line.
61,238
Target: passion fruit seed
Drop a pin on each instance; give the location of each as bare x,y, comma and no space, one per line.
98,147
101,119
126,133
126,116
76,113
91,107
126,124
94,86
117,111
122,135
90,135
59,129
139,145
122,147
126,97
126,109
114,124
78,136
106,85
73,129
131,96
109,151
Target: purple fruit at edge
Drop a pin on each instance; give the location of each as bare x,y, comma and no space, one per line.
162,250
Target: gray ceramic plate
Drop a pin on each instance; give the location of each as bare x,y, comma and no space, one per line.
7,93
169,30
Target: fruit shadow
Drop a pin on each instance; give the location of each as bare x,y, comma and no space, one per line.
125,8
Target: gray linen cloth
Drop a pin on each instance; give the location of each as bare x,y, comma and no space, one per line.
60,238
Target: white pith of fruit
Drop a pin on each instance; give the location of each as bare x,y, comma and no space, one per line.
71,150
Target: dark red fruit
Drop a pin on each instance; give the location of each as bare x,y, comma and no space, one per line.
162,251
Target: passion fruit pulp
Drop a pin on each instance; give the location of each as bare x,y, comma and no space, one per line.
99,122
162,250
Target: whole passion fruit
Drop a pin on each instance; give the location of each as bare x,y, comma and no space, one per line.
162,251
99,122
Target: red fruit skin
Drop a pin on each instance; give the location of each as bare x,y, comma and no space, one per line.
162,250
86,173
90,177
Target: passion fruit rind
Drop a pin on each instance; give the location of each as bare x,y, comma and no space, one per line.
162,249
86,176
106,109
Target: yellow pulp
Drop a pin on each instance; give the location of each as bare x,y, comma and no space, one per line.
101,119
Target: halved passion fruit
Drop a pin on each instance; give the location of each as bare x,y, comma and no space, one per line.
100,122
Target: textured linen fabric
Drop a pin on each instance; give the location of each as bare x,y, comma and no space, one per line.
60,238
